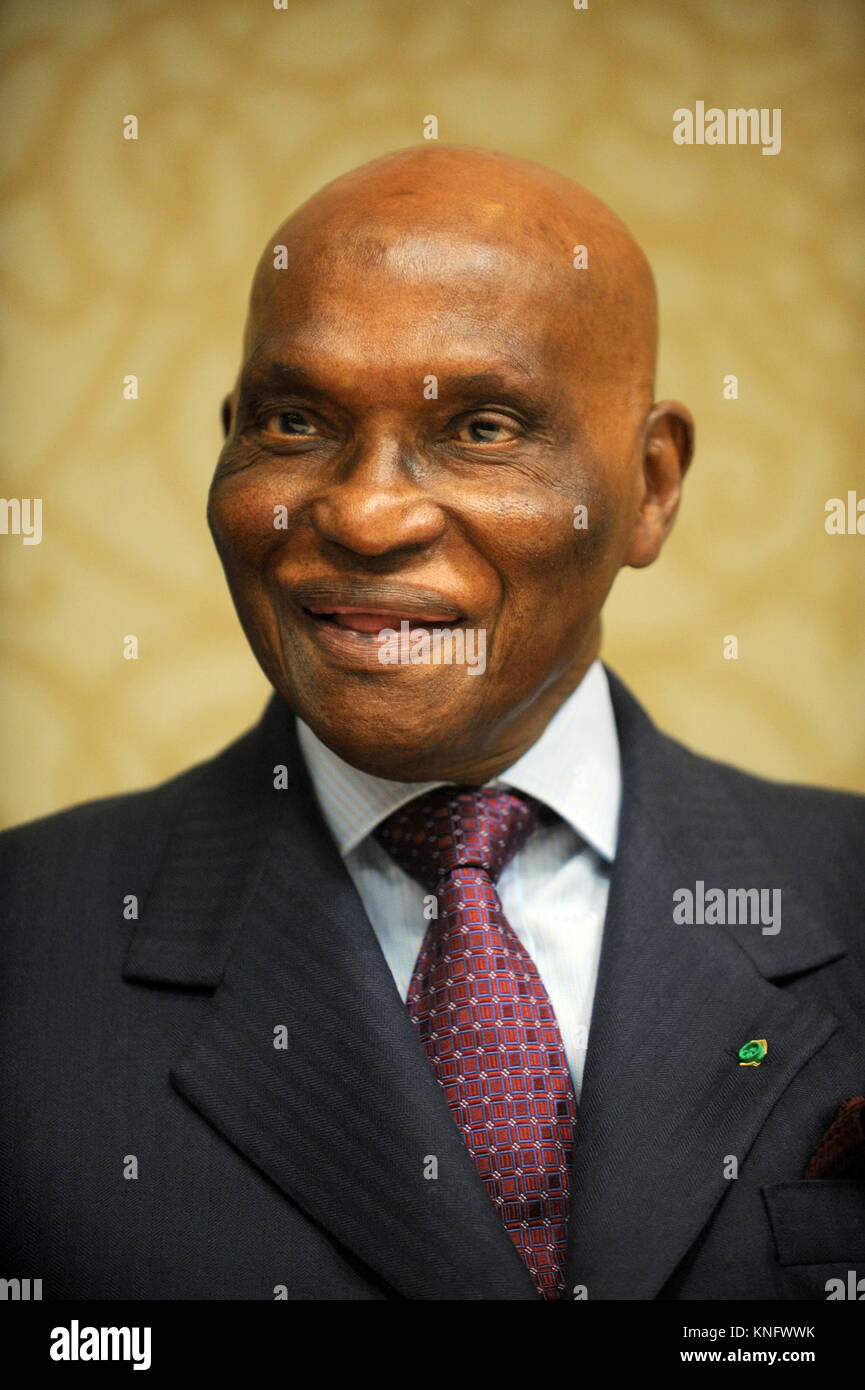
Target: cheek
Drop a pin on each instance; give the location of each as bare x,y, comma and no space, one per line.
565,537
558,559
591,522
244,517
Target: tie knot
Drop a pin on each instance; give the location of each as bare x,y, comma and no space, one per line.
452,828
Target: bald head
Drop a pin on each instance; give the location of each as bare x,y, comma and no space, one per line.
443,418
462,214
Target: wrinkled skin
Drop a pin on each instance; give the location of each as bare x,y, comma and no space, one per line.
457,510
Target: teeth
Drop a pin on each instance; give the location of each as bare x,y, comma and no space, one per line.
384,620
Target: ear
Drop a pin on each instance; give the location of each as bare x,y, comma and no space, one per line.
226,415
668,446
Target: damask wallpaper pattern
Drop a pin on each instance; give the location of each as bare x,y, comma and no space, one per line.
127,257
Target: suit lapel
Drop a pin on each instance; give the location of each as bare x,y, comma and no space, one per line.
344,1114
664,1100
253,902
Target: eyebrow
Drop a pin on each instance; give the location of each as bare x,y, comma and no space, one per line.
292,376
483,381
276,376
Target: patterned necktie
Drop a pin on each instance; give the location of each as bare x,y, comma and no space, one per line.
484,1017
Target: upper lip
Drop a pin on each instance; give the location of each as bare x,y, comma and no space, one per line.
385,596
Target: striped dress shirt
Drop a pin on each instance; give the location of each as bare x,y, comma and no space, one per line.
554,891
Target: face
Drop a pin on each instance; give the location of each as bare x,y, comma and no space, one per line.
408,446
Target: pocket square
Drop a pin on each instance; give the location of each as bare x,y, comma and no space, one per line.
841,1151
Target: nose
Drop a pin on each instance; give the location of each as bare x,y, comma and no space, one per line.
375,504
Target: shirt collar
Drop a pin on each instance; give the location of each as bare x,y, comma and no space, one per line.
574,768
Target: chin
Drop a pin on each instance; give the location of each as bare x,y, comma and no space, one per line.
389,750
392,761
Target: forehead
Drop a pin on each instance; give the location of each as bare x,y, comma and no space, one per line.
414,299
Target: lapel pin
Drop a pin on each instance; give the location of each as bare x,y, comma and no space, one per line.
752,1053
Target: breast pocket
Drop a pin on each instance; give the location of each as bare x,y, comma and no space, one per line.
819,1232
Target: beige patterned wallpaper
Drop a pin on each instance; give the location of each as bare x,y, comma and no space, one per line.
123,256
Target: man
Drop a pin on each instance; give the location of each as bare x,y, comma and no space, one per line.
454,978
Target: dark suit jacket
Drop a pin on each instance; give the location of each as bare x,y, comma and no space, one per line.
302,1168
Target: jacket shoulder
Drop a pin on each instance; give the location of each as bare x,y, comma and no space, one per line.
817,829
792,801
90,836
675,773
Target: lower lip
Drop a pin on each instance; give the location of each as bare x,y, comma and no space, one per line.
359,649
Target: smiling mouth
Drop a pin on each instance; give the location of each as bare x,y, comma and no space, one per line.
370,623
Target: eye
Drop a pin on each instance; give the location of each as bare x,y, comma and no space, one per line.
487,429
289,422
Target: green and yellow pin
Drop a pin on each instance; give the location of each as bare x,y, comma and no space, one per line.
752,1053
